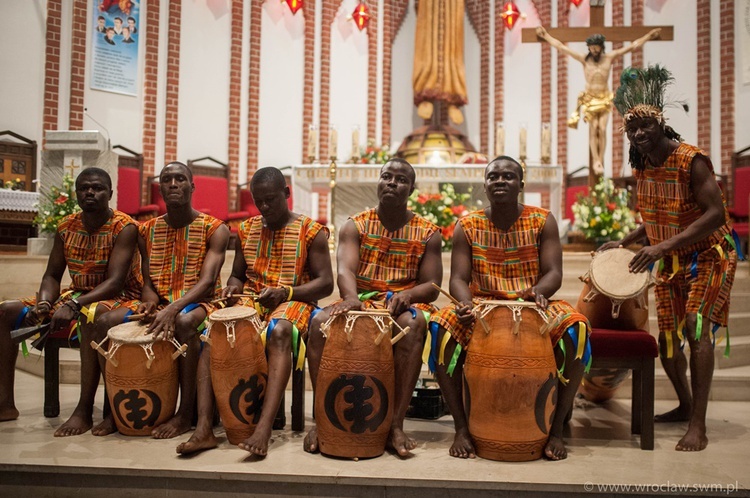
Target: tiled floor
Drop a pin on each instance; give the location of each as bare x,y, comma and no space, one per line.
601,452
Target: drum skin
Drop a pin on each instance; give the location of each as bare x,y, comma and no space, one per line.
142,398
239,376
355,391
510,389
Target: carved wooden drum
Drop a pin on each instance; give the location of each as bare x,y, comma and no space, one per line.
239,370
141,378
510,379
355,387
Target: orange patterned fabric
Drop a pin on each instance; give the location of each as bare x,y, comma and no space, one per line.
176,255
389,261
278,258
667,203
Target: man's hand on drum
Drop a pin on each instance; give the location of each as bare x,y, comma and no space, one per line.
644,257
228,293
271,297
147,309
612,244
164,323
346,306
465,313
62,317
398,303
531,294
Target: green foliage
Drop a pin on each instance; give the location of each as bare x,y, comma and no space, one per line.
55,205
443,209
604,214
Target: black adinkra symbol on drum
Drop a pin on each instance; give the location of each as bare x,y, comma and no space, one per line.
134,405
357,398
253,390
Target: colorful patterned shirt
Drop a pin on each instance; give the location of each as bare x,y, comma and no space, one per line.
389,261
176,254
667,203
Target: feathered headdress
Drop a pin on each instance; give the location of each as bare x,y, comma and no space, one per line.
642,93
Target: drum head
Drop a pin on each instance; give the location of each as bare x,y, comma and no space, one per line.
130,333
610,274
232,314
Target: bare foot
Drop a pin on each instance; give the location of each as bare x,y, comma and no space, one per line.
172,428
105,427
8,413
202,439
77,424
679,414
462,446
693,440
555,449
400,442
310,443
257,444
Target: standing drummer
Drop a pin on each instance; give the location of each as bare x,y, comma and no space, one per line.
687,227
283,258
507,251
182,252
388,258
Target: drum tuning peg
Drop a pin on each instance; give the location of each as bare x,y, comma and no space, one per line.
98,347
112,360
400,335
181,350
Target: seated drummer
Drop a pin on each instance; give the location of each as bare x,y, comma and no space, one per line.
283,258
388,258
504,252
182,252
97,246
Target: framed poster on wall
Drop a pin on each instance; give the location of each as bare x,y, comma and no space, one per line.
114,46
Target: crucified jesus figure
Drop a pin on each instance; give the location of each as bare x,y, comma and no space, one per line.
595,102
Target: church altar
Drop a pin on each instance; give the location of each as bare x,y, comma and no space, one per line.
354,186
17,212
18,201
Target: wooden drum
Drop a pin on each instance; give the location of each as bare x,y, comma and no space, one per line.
141,378
239,370
355,387
510,379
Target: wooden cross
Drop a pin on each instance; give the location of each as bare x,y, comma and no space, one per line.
596,26
72,167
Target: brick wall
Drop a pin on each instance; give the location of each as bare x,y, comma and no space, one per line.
499,68
329,11
150,92
309,75
636,19
52,66
726,56
77,64
173,82
479,14
563,8
235,96
618,19
372,69
253,101
703,74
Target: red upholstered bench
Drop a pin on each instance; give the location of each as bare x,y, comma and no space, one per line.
575,185
634,350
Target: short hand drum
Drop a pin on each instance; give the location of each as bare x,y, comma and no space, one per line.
141,378
612,296
239,370
510,377
355,385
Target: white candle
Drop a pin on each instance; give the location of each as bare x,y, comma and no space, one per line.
522,142
546,142
333,142
355,142
499,139
312,143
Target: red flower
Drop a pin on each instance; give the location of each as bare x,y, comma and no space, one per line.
62,199
611,206
457,210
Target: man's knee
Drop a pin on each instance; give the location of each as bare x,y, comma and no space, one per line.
314,330
186,325
281,336
9,311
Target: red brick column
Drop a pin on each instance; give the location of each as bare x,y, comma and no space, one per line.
636,19
372,70
499,68
618,19
77,64
479,14
235,94
150,92
173,82
309,75
52,66
726,56
563,8
253,101
329,11
703,74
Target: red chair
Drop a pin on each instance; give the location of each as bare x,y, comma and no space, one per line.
739,201
575,185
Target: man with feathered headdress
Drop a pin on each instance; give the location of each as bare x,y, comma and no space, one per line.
686,228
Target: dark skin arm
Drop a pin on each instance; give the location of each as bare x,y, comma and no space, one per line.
49,289
708,196
319,286
461,275
347,258
164,321
149,296
430,272
550,262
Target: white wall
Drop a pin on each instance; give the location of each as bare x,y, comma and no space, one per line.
404,117
473,66
742,74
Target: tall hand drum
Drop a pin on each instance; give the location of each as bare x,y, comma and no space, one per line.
510,379
141,378
239,370
613,297
354,393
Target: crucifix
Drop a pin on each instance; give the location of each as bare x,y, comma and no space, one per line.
72,167
595,102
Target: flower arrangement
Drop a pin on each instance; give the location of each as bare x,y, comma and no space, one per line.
443,209
604,214
55,205
16,184
373,154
